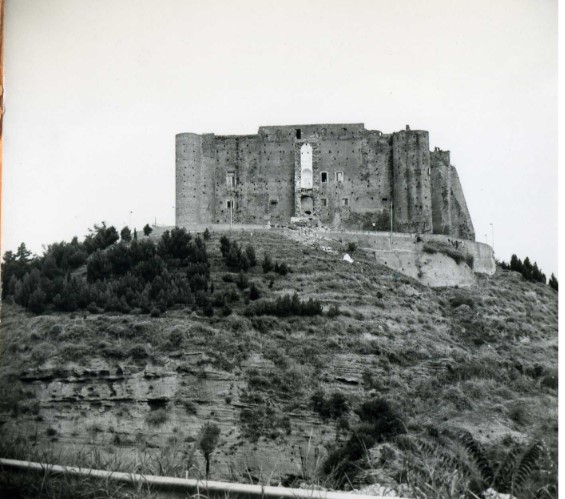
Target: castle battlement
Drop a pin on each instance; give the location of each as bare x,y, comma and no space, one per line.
342,175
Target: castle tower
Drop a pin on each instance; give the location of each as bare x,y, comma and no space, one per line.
412,208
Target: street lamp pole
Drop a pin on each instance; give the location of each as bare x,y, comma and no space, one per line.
391,214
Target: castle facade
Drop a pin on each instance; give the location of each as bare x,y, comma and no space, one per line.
340,175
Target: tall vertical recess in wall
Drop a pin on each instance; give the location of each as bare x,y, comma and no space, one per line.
306,166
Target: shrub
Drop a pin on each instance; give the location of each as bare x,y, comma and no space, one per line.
450,251
225,245
157,417
282,268
206,235
191,407
460,299
285,306
333,311
250,253
351,247
147,230
333,407
254,293
155,312
379,423
242,281
267,264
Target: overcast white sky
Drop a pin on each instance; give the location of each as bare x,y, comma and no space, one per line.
97,90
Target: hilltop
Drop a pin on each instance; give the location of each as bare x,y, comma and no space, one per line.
287,391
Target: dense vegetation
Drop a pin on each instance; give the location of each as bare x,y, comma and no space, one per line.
120,276
139,276
530,272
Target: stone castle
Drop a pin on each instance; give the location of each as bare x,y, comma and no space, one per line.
342,176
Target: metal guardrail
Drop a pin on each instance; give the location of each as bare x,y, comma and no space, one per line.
209,488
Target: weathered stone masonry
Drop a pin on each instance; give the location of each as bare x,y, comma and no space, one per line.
342,175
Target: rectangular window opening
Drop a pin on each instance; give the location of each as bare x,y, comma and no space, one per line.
324,202
298,133
345,201
339,176
230,179
229,204
324,177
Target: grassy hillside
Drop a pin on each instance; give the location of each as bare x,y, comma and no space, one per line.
447,362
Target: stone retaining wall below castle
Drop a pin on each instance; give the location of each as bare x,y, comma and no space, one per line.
405,253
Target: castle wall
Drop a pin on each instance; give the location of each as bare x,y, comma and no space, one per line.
405,253
359,178
461,224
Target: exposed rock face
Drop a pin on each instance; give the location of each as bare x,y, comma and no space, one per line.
113,404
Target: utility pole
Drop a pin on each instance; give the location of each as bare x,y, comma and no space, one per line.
391,214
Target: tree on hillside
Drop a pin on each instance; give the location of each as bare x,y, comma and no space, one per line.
208,443
553,282
125,234
15,264
516,264
100,237
147,230
135,234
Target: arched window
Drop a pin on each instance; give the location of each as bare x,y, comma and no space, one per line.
306,166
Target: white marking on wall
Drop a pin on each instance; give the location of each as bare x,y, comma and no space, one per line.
306,166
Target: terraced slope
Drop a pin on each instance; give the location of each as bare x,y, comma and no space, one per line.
138,389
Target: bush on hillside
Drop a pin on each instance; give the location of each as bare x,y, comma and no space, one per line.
285,306
235,257
432,247
282,268
379,423
333,407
